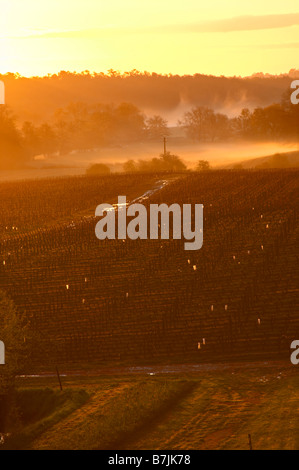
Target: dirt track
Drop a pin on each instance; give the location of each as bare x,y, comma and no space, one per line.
162,369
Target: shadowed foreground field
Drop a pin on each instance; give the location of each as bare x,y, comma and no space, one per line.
207,410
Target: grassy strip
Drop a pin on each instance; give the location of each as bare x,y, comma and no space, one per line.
40,409
117,417
153,417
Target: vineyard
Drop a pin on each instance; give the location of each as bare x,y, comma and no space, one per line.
149,300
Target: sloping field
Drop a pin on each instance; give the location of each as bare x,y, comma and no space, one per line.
204,410
137,301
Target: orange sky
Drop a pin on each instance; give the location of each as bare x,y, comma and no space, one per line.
215,37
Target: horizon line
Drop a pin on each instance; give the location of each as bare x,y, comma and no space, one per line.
128,73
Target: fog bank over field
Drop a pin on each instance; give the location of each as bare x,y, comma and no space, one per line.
217,154
81,119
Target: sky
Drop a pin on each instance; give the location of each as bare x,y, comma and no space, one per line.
215,37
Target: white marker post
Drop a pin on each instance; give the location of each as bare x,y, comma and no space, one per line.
2,353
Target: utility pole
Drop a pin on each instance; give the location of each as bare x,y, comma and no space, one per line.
165,146
59,380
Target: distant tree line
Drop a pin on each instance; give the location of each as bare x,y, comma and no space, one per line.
36,99
76,127
275,122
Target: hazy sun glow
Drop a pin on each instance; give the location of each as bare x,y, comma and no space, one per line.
165,36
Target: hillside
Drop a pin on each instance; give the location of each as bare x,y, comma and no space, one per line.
278,160
149,300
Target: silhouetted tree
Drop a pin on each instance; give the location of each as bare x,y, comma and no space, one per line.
203,165
98,169
15,335
130,166
204,124
171,162
157,127
12,152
